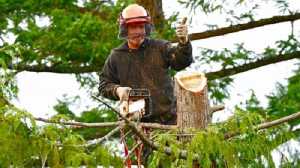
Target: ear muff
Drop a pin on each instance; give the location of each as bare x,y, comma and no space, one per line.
123,33
121,19
134,14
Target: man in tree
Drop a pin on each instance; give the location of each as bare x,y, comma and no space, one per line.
141,62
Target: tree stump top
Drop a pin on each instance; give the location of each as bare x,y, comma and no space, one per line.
191,81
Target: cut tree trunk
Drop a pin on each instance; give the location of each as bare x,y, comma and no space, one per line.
192,101
193,110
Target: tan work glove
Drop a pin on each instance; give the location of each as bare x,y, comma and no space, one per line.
182,32
123,93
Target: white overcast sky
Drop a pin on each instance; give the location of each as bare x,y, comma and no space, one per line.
38,92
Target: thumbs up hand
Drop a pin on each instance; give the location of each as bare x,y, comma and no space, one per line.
182,32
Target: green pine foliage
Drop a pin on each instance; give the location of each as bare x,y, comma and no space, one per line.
24,144
249,148
285,100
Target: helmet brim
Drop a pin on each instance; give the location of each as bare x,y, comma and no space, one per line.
137,20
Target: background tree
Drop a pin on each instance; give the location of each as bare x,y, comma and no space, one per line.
77,36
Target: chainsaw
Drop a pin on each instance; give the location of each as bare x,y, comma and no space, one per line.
138,105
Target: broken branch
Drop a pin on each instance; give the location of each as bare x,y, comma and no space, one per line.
216,108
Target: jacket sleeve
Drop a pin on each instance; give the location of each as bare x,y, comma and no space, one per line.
109,80
178,57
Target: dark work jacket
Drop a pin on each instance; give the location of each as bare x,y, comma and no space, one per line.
147,67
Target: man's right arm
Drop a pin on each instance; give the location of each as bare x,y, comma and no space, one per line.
109,81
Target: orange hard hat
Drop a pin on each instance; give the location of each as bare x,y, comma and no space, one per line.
134,13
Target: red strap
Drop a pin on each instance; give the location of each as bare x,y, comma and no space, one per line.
128,161
138,153
139,150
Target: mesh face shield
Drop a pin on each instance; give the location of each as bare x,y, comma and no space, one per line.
123,33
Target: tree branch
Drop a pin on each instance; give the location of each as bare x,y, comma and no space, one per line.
131,125
81,124
100,140
241,27
249,66
56,68
268,124
210,75
183,153
96,141
216,108
158,126
107,124
167,150
132,150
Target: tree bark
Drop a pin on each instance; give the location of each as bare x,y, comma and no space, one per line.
193,110
155,11
192,101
